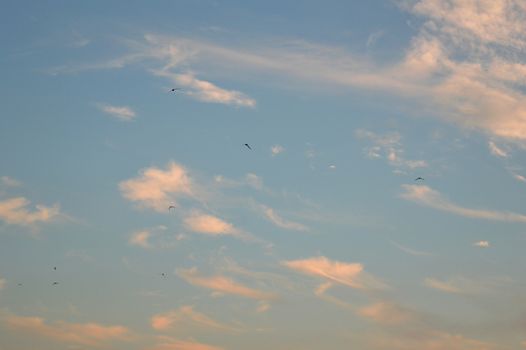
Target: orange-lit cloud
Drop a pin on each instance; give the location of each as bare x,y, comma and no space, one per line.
429,197
167,343
385,312
222,284
208,224
349,274
88,334
158,189
281,222
186,315
14,211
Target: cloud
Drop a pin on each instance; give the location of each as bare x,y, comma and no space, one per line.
167,343
186,315
222,284
280,222
140,238
410,251
205,91
158,189
120,112
87,334
462,285
14,212
497,151
386,313
208,224
348,274
481,244
389,147
427,196
276,149
6,181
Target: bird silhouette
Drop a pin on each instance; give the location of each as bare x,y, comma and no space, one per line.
171,207
248,146
55,283
163,274
55,268
175,89
419,179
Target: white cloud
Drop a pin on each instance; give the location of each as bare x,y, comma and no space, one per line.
496,150
14,211
280,222
158,189
427,196
276,149
481,244
120,112
206,91
409,250
389,147
6,181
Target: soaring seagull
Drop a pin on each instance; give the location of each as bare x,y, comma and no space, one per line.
419,179
248,146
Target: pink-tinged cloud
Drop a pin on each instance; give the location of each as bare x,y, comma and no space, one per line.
496,150
120,112
277,220
140,238
386,313
88,334
158,189
222,284
167,343
208,224
14,211
349,274
429,197
186,315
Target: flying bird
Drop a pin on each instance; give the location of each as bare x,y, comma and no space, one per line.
55,283
163,274
419,179
171,207
248,146
55,268
175,89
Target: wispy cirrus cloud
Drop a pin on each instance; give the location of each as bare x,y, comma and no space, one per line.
168,343
206,91
386,313
429,197
496,150
348,274
157,189
123,113
223,284
14,211
277,220
388,146
87,334
187,316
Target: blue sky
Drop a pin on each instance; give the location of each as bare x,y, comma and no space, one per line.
317,238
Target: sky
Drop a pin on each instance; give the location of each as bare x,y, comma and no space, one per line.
135,217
